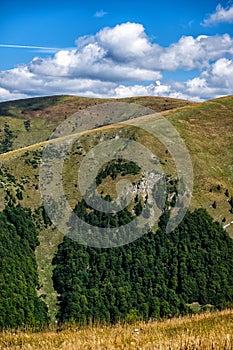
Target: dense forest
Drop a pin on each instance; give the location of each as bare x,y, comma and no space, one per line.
158,275
19,302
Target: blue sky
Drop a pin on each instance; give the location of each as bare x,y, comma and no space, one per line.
172,48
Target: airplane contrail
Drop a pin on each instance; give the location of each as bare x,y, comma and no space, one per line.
29,47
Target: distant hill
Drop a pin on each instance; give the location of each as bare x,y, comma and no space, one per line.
45,113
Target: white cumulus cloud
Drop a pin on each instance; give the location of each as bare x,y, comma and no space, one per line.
191,53
123,61
125,41
221,15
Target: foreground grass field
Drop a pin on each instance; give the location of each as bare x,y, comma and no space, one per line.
205,331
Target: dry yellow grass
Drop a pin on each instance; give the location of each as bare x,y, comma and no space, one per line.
205,331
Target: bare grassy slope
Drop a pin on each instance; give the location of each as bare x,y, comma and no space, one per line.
207,131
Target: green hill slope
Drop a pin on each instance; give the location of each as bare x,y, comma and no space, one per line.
206,128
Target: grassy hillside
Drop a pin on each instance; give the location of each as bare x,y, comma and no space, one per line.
206,128
206,331
207,131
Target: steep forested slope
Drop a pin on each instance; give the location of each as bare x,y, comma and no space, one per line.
158,275
19,303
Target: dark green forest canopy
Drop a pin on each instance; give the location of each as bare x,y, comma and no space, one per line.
158,275
19,303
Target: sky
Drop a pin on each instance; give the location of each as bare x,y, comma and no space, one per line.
171,48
